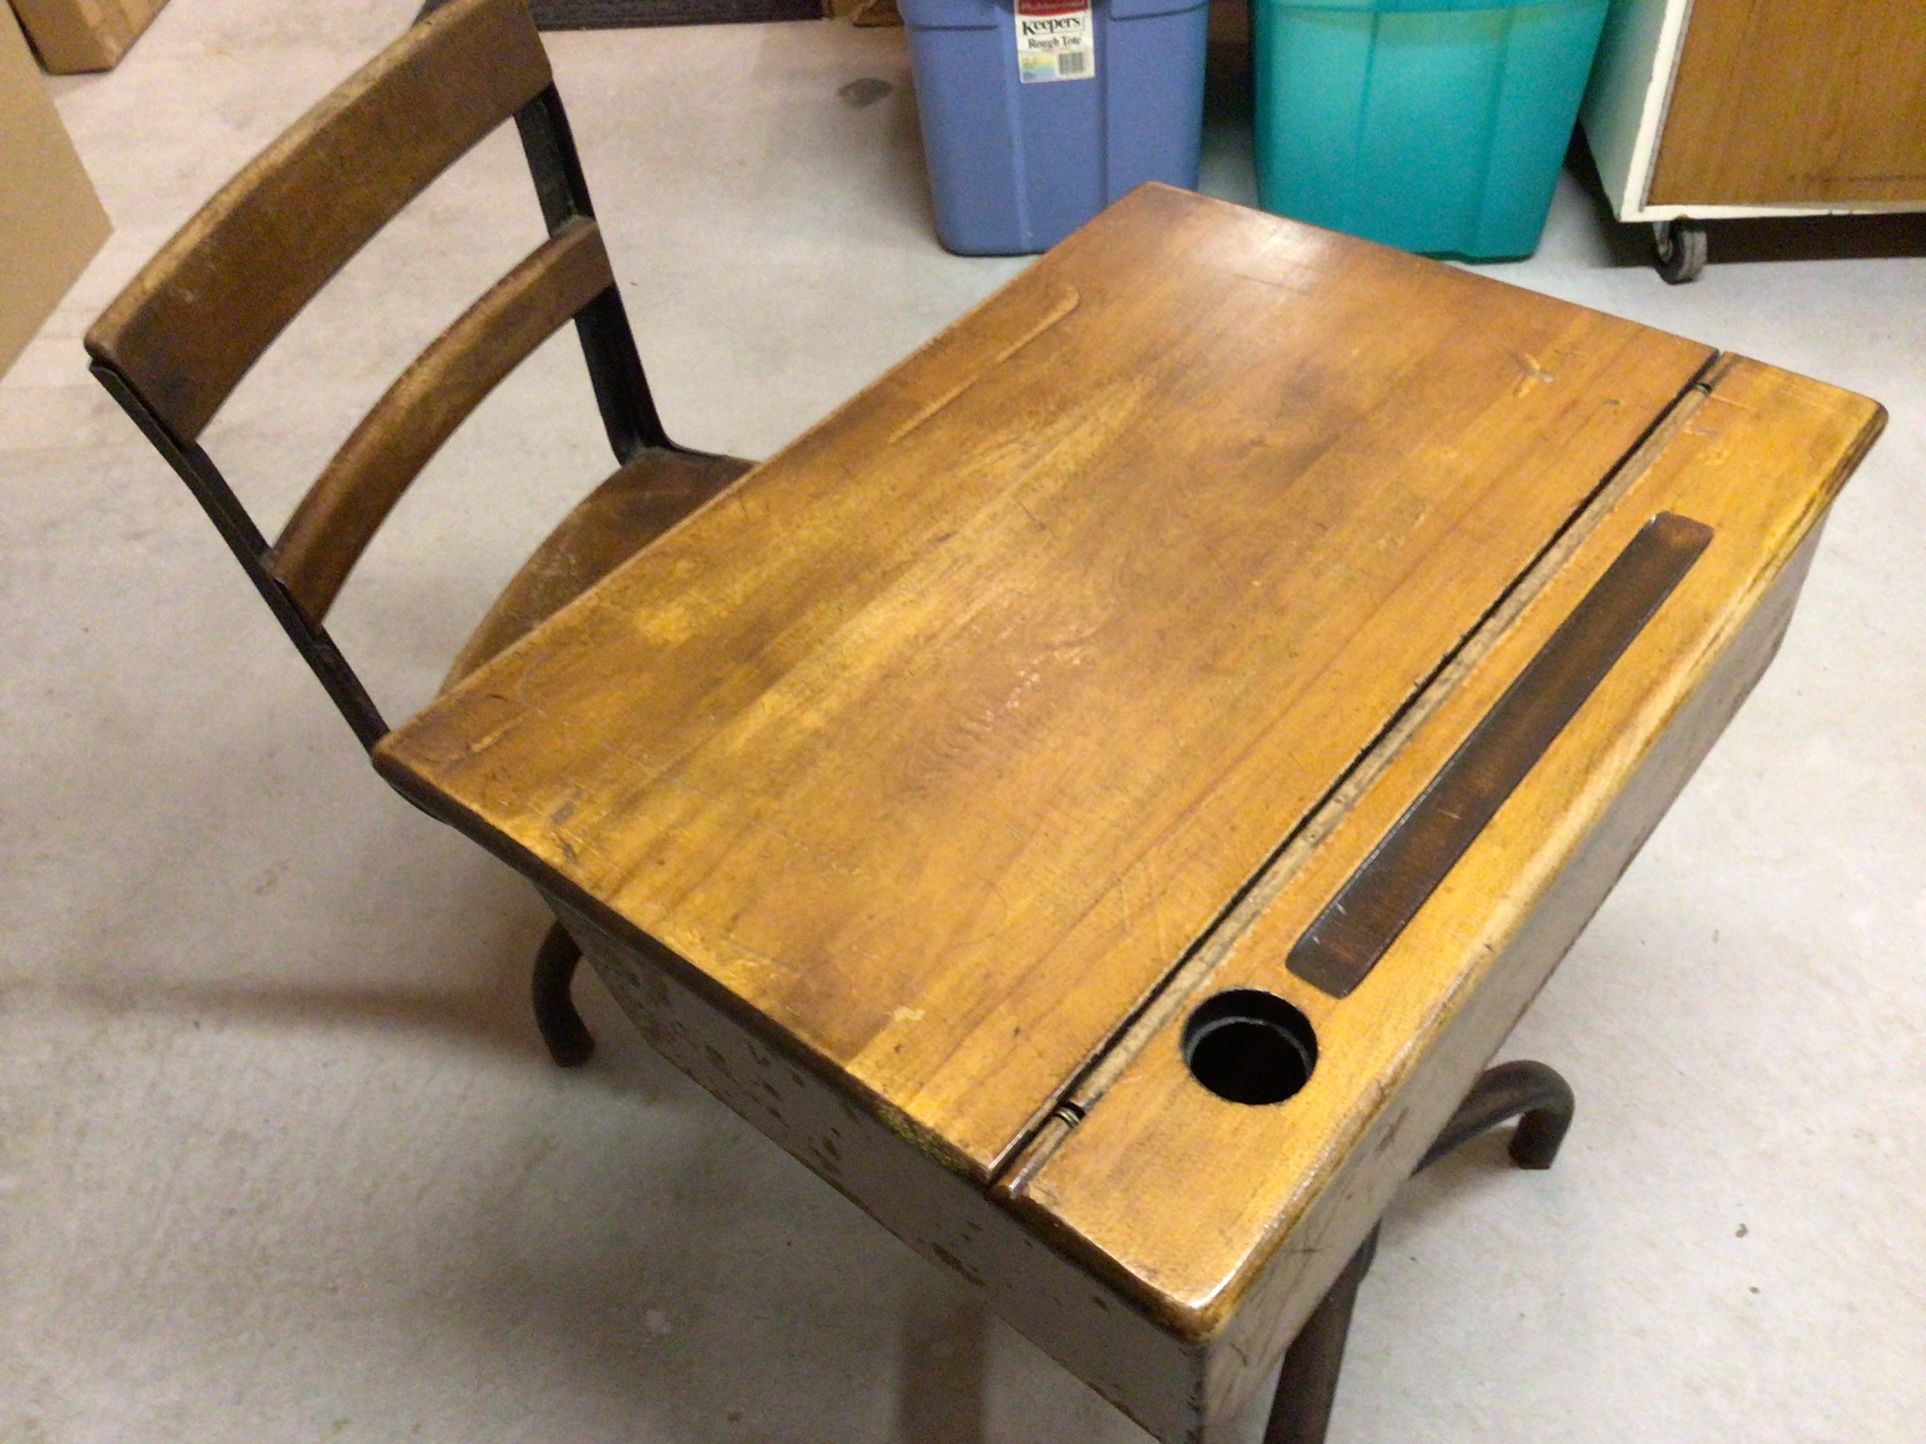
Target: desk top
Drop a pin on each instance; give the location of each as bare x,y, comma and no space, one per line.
945,740
948,732
1044,707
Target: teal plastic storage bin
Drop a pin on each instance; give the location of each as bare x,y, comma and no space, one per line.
1430,125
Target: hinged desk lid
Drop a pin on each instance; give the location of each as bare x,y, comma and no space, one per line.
941,737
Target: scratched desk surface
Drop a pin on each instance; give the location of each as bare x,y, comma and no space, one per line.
1063,678
944,736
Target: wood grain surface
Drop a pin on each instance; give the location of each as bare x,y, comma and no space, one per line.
1796,102
940,739
625,513
198,315
1232,1220
1346,940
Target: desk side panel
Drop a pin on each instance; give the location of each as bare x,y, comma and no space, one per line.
1079,1320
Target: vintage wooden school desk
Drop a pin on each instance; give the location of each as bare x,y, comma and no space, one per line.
1101,797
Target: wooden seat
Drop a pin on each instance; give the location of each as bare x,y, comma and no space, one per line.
177,341
610,525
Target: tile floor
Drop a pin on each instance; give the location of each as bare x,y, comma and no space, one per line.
279,1156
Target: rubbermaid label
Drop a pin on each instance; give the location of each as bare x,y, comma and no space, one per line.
1054,40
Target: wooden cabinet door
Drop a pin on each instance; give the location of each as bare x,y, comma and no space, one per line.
1797,102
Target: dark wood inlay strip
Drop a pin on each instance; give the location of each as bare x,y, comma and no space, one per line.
1339,949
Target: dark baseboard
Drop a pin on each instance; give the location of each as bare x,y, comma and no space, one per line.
620,14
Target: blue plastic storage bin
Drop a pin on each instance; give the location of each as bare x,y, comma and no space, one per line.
1015,165
1431,125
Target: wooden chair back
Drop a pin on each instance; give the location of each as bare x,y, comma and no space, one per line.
175,343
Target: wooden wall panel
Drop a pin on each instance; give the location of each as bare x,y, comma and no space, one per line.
1797,102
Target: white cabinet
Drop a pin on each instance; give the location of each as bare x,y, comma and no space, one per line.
1718,108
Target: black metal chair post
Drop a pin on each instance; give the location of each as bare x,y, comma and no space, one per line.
629,417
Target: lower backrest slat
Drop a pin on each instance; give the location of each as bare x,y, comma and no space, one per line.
352,497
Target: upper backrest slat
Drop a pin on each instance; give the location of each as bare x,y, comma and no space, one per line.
203,310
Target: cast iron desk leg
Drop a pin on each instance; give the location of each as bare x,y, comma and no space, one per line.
1542,1103
567,1036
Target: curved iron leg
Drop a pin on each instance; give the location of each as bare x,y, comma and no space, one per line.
1542,1103
1532,1093
1307,1387
567,1036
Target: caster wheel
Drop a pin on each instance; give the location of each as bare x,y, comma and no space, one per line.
1681,250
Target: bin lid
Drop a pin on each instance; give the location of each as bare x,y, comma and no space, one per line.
1389,7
